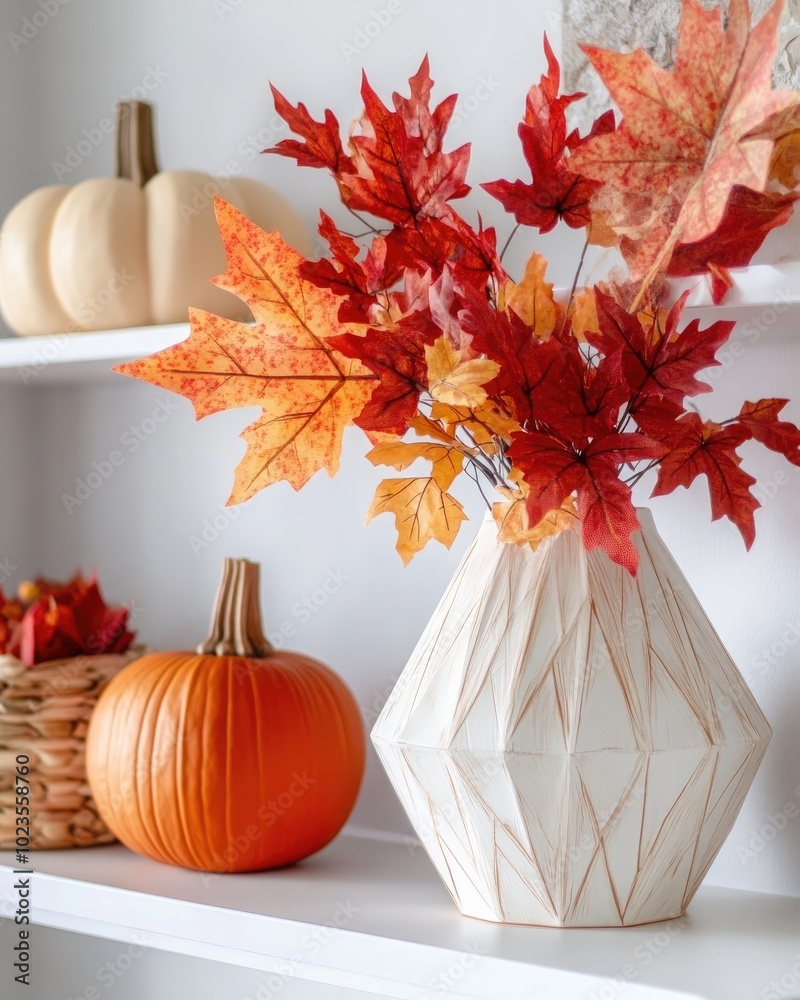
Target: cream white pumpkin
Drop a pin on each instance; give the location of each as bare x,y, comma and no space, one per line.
128,251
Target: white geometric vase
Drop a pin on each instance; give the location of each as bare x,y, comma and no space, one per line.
571,745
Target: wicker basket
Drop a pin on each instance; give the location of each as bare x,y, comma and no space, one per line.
44,713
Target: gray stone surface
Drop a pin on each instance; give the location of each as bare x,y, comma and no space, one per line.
650,24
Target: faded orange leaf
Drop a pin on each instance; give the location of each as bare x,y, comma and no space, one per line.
446,461
422,512
532,298
583,315
307,391
785,166
456,381
686,138
510,518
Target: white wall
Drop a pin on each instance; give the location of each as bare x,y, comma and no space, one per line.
136,528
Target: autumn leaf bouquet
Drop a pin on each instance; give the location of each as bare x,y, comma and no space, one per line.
411,329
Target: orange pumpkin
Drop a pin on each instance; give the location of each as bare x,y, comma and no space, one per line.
237,758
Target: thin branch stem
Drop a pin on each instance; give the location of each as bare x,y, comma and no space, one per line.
634,479
507,243
369,226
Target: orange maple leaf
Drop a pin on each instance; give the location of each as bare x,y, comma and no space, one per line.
308,392
687,135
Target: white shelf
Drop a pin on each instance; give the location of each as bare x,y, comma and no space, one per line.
80,357
371,915
60,358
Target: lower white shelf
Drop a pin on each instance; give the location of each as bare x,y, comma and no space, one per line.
371,915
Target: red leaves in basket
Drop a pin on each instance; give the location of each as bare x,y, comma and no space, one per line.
62,620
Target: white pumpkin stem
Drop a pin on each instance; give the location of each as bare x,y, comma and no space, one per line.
136,143
236,620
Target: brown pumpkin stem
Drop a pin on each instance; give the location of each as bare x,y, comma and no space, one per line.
236,620
136,144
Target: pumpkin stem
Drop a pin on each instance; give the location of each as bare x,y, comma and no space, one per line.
236,620
136,145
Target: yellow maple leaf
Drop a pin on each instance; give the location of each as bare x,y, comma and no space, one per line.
509,516
307,391
422,512
446,460
532,298
455,381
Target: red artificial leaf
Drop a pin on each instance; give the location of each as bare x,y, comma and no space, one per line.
322,146
698,447
580,402
396,169
654,360
438,244
396,354
357,281
506,339
553,470
761,420
555,192
749,218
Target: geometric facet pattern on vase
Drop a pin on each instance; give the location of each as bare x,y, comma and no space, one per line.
571,745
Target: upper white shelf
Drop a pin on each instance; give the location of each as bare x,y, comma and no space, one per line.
372,916
35,361
80,357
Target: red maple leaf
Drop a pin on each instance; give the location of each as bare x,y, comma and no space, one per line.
505,338
440,243
555,192
322,146
581,402
761,421
698,447
396,354
749,218
357,281
663,361
554,469
396,169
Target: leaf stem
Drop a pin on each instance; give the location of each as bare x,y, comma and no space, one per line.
370,227
507,243
642,472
